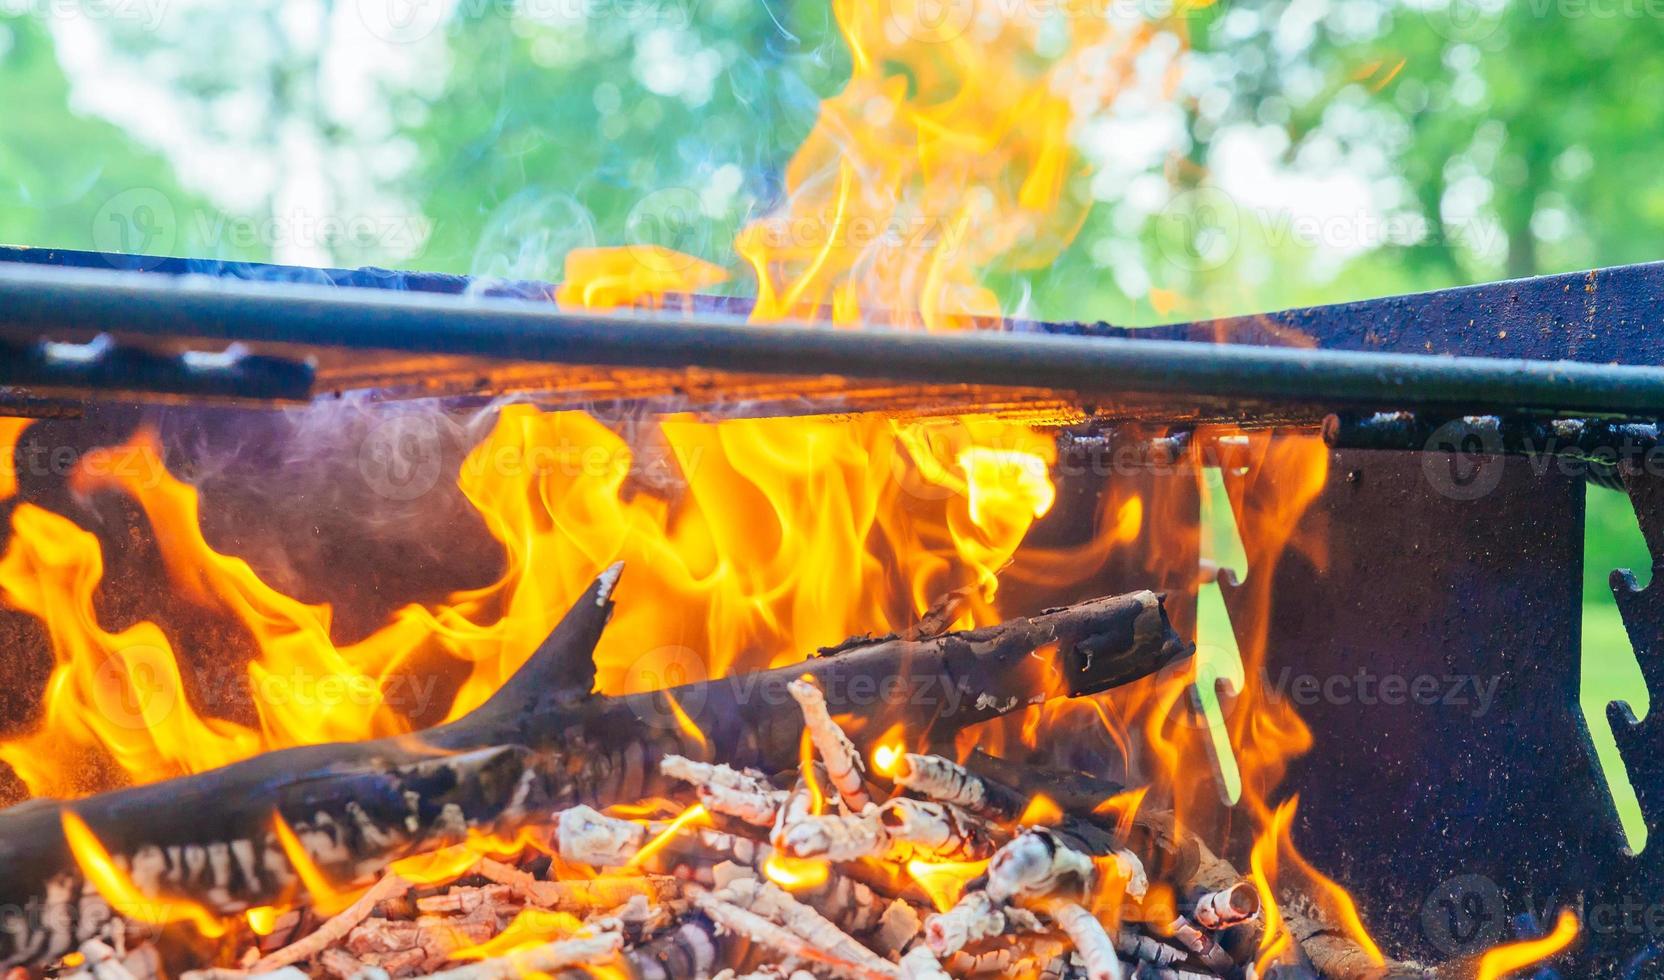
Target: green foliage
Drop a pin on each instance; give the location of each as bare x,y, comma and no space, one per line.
1497,139
667,124
59,170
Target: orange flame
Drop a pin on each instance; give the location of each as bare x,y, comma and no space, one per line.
530,928
832,496
796,874
602,278
1123,806
324,895
1041,811
1276,842
888,751
1503,960
694,813
119,890
944,881
11,430
686,725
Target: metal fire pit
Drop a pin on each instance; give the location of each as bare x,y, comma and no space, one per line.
1451,554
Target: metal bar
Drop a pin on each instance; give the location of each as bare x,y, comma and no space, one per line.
46,302
1593,440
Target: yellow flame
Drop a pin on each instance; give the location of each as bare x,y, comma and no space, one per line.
1275,938
811,776
1041,811
11,430
1503,960
757,552
262,919
796,874
602,278
530,928
118,889
325,897
450,863
1123,806
944,881
887,753
686,725
696,812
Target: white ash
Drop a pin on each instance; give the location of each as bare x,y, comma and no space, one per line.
587,836
776,905
987,702
941,830
757,809
943,780
760,930
975,917
1200,943
1138,946
921,964
836,837
844,765
897,927
1227,907
1090,939
714,774
1037,863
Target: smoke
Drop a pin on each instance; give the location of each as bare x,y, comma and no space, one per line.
350,501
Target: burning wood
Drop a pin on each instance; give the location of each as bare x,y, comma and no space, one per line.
826,878
203,847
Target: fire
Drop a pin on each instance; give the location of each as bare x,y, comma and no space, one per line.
1504,960
692,814
450,863
10,431
888,751
686,726
796,874
917,179
842,500
125,897
601,278
944,881
1123,807
749,543
531,927
1276,843
322,892
1041,811
262,919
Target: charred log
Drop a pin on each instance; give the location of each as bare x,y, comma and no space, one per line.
545,741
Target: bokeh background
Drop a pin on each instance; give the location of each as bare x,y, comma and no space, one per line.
1307,151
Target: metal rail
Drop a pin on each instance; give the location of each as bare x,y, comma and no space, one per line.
40,304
